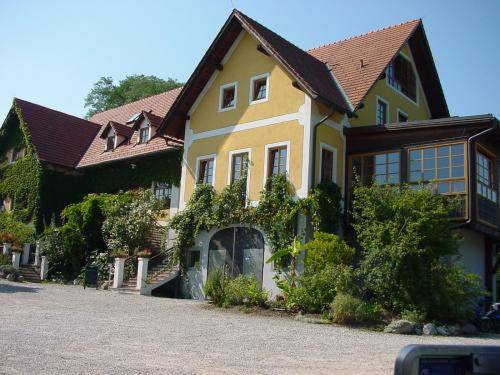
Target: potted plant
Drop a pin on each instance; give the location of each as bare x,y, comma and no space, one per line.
144,253
16,248
120,253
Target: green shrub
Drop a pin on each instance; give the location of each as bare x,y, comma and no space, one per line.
407,239
215,286
413,315
244,290
18,230
8,269
326,249
347,309
323,205
5,260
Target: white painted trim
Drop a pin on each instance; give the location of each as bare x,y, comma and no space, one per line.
328,147
185,165
400,111
144,124
341,89
376,110
266,158
250,96
201,158
215,73
417,80
230,166
246,126
306,122
221,91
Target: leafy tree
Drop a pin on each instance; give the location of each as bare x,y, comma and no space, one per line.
408,241
106,95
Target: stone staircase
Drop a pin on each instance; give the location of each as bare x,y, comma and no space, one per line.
158,275
30,274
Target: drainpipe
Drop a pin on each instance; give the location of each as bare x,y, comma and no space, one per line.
315,133
470,146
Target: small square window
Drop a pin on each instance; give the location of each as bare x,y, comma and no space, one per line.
206,171
402,117
258,88
227,98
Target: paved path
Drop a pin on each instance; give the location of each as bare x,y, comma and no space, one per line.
52,329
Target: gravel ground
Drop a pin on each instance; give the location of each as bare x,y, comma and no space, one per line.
53,329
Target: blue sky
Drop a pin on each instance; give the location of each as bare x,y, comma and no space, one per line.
51,52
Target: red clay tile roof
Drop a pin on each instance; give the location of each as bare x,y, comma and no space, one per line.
157,104
376,49
313,73
152,118
57,138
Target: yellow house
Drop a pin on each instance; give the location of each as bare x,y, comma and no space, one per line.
256,99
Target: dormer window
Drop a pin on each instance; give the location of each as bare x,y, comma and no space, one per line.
110,141
228,96
144,134
401,76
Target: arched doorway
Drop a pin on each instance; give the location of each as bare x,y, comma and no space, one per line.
240,249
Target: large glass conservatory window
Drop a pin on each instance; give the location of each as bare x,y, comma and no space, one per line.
239,249
382,168
485,177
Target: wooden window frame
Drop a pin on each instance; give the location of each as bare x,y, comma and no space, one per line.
260,77
391,81
144,130
365,154
108,148
493,175
222,89
333,150
387,117
267,162
404,114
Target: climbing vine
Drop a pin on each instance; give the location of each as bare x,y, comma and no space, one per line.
276,214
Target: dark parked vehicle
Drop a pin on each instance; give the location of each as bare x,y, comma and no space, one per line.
490,322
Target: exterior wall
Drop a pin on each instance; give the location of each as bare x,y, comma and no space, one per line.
396,100
472,251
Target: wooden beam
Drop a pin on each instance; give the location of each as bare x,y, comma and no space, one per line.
261,49
219,67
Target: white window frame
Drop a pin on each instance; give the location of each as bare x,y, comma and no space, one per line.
266,158
221,92
417,80
376,110
252,80
400,111
198,160
230,165
144,125
328,147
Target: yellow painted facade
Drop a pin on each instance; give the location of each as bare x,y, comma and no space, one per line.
244,63
415,111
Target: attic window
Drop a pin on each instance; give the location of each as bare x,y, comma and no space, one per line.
144,134
259,88
401,76
110,142
227,98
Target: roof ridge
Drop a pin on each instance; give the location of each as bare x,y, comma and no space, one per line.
137,101
56,110
365,34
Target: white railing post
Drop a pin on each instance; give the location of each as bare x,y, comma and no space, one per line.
142,273
119,268
26,254
37,253
16,258
44,268
6,248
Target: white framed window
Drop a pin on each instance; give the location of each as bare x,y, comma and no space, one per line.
382,111
162,190
259,89
402,116
277,159
228,97
239,166
328,163
144,133
205,169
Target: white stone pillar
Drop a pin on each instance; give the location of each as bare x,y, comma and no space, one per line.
37,253
142,273
16,258
44,268
26,254
119,268
6,248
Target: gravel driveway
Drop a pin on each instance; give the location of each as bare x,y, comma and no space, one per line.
52,329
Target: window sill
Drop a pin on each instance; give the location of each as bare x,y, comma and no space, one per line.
227,109
258,101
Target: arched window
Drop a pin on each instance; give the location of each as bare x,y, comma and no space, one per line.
240,249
